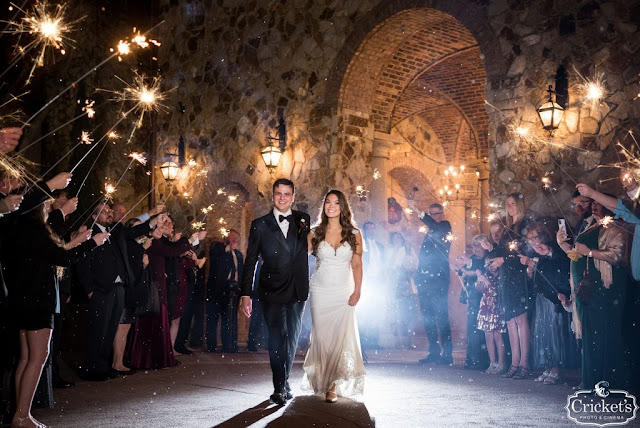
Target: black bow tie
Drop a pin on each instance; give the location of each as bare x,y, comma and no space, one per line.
285,217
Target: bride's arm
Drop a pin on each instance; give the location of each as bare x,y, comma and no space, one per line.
309,244
356,266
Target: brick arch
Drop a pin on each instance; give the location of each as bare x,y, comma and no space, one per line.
469,14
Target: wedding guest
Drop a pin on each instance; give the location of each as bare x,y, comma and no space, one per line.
31,274
553,344
432,281
476,355
104,276
151,346
192,317
491,318
225,267
119,211
402,264
513,291
600,299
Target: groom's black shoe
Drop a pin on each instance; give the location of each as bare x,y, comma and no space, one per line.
279,398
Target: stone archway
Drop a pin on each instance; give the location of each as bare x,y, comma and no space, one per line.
409,89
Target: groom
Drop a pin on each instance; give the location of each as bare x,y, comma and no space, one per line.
280,237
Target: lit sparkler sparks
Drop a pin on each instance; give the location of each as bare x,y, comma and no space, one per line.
423,229
224,231
491,217
139,157
207,210
192,163
376,174
408,211
221,220
124,46
546,182
592,91
474,215
109,190
606,221
49,28
513,246
113,135
85,138
233,198
198,225
450,237
146,94
221,191
88,108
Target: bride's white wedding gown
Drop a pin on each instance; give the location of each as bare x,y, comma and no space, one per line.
334,354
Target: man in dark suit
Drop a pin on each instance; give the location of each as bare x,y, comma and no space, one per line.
432,282
223,292
581,205
280,237
104,276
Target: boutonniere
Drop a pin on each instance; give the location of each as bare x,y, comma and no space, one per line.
303,226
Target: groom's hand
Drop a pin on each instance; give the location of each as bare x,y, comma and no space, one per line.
245,304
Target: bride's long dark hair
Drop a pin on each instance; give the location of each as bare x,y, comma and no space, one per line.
346,222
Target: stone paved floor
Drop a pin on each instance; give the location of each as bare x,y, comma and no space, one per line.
209,390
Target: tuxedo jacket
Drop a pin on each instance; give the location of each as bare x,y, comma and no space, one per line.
107,262
434,253
284,275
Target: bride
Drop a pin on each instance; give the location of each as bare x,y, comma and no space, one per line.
333,364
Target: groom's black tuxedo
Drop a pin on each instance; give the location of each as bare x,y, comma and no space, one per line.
283,288
284,276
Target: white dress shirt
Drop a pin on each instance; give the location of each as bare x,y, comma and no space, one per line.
284,224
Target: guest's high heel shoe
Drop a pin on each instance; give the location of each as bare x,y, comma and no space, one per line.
331,396
512,372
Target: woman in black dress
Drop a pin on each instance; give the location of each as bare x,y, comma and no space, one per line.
31,274
513,290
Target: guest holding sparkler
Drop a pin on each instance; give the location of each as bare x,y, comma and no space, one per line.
513,292
191,290
151,346
9,139
31,275
491,318
104,277
553,343
433,284
600,301
223,293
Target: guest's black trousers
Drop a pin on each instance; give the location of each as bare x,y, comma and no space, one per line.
284,322
433,293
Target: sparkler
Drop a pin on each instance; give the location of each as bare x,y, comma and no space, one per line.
221,191
109,190
233,198
474,215
450,237
85,138
48,27
408,211
376,174
513,246
75,82
146,95
491,217
224,232
139,157
88,108
606,221
423,229
221,220
198,225
592,91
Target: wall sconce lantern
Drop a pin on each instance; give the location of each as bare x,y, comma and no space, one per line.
174,161
271,154
550,113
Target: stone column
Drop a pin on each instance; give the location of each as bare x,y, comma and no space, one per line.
483,186
378,191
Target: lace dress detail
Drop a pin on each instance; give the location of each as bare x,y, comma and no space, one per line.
334,354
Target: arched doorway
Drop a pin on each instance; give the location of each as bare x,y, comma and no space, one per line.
410,91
